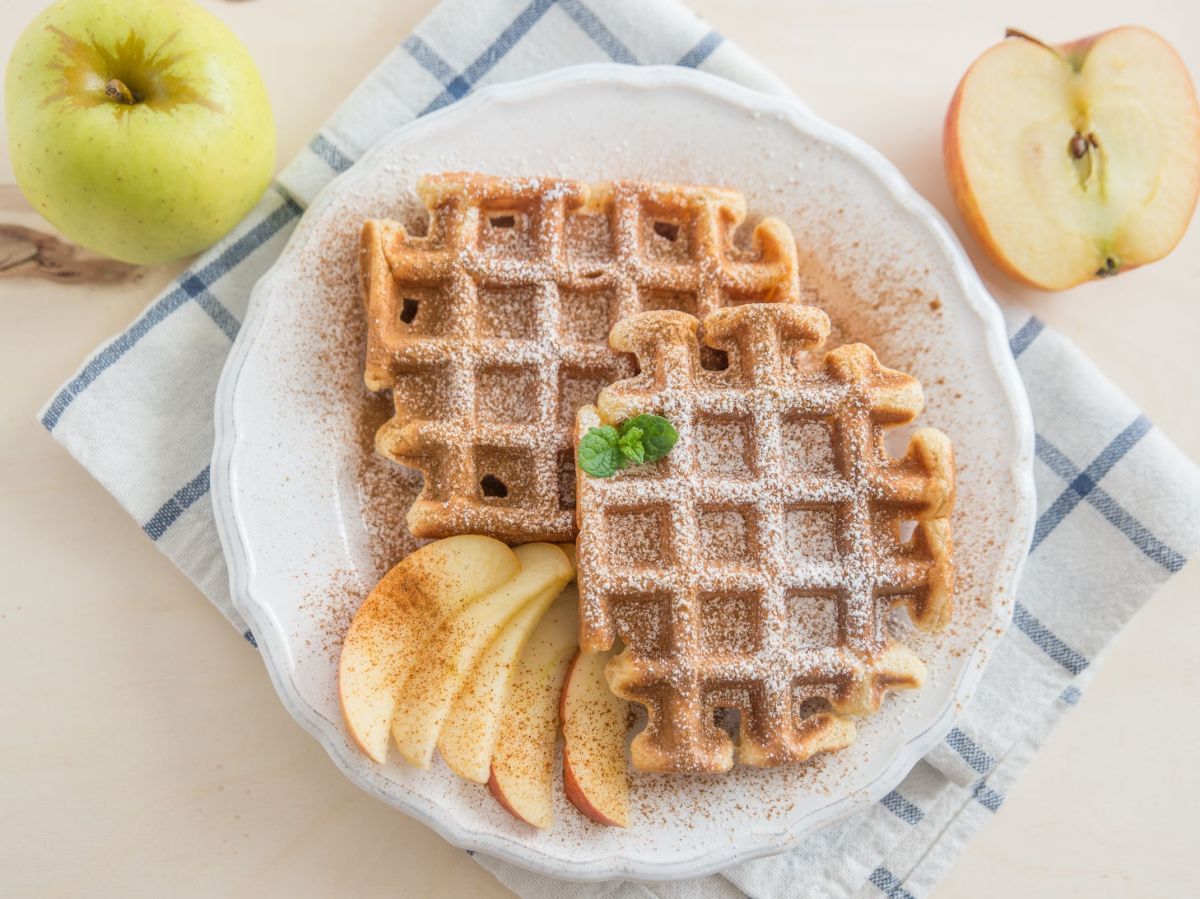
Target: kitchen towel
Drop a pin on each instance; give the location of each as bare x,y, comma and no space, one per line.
1118,504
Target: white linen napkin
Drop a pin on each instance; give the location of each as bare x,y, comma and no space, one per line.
1119,505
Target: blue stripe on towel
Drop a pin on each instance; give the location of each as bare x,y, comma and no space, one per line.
460,86
889,884
1047,641
192,286
1027,333
702,51
902,808
334,157
970,751
170,511
597,31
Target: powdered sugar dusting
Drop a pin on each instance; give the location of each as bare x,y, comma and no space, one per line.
491,329
778,508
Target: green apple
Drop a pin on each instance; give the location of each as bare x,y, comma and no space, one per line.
139,128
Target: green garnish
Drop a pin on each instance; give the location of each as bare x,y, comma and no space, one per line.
644,438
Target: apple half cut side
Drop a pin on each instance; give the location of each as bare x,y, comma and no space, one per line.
407,605
594,723
451,652
1075,161
522,775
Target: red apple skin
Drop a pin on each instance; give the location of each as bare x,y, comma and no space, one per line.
960,186
571,787
498,794
577,798
960,189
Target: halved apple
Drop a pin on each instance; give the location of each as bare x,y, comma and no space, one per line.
594,723
1075,161
522,776
397,618
452,650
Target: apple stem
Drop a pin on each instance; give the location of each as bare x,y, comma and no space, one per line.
117,90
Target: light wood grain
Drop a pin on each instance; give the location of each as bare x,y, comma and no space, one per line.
145,752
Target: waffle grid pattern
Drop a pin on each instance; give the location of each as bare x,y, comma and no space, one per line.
491,329
715,629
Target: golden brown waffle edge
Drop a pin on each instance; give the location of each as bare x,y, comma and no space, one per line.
752,568
490,329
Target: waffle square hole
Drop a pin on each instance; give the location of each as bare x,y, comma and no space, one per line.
419,310
577,388
506,232
732,705
810,537
587,315
652,298
725,536
504,475
808,448
730,622
641,623
506,394
811,621
665,237
812,698
507,312
723,447
589,246
566,479
638,537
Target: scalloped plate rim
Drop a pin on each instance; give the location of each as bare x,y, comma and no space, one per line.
353,764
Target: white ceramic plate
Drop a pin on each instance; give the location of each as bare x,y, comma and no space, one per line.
310,519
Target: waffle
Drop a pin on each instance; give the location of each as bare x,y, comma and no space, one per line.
490,330
752,568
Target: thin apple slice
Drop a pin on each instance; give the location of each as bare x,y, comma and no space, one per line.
452,651
522,778
594,723
404,608
469,734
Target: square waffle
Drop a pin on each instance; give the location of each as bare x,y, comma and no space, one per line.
490,329
752,568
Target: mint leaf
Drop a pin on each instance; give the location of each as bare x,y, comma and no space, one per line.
630,445
657,434
599,454
606,450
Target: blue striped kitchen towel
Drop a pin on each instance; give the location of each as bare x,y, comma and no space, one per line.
1119,505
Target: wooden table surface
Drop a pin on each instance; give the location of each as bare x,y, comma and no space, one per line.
144,752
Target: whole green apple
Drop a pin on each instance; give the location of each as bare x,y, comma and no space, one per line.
139,128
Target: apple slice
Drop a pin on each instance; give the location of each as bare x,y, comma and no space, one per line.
522,778
403,609
594,723
469,734
1075,161
451,652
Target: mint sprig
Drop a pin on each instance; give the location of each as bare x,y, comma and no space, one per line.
606,450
